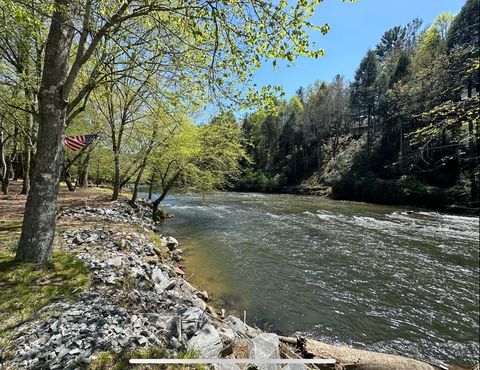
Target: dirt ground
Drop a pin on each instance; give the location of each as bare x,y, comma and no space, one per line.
12,207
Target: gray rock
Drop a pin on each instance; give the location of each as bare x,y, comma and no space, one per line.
116,261
192,319
170,242
228,367
160,279
266,345
142,341
294,367
92,238
227,334
74,351
236,324
78,239
206,341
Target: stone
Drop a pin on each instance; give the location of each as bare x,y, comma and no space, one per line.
192,319
236,324
160,279
142,341
54,327
116,261
74,351
92,238
228,367
78,239
295,367
265,346
170,242
206,341
203,295
179,271
226,333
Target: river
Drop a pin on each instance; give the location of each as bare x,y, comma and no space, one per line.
384,278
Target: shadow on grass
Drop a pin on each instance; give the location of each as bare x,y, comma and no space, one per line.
28,287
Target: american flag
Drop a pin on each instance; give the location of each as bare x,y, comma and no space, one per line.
78,142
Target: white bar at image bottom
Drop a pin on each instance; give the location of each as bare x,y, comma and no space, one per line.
226,361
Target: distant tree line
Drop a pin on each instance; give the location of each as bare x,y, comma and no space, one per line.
405,130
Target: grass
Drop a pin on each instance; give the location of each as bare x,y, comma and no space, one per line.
119,361
9,236
156,240
28,287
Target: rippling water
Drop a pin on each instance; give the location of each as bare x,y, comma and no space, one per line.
375,277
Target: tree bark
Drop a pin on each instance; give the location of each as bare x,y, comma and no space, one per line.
26,161
165,191
8,174
135,187
26,171
116,180
84,172
39,220
150,188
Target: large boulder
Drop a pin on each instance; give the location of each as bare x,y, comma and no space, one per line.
206,342
266,346
193,318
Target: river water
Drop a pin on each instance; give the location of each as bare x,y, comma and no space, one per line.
384,278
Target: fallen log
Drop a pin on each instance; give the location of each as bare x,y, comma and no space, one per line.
351,358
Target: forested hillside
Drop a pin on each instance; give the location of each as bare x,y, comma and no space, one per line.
404,131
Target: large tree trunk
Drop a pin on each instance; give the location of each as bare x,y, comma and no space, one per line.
38,228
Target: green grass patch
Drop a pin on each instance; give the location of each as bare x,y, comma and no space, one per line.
156,240
119,361
28,287
9,236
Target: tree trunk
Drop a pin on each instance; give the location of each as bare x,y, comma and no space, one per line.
165,191
135,187
369,129
26,165
39,220
140,173
27,154
8,174
116,180
3,163
402,148
150,188
84,173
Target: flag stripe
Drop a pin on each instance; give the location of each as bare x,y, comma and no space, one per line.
78,142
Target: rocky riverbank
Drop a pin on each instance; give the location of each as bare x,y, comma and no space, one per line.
138,299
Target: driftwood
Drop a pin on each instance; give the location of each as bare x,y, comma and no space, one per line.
351,358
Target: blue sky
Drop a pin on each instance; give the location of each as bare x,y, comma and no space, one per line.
355,27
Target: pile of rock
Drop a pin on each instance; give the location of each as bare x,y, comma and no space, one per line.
119,211
82,328
137,298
